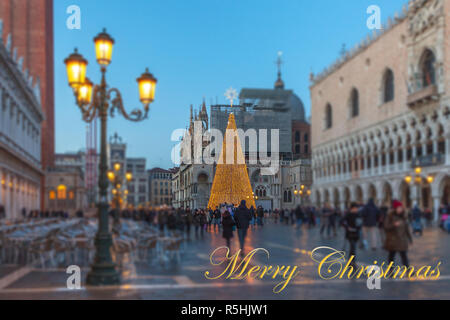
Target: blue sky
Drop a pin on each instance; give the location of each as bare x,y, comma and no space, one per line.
197,49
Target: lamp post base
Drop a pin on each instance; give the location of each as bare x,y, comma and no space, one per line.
103,270
103,274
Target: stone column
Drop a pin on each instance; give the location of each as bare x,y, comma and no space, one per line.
365,163
436,204
365,193
435,146
341,198
405,156
386,156
414,194
424,148
414,151
380,164
396,164
7,196
447,148
352,194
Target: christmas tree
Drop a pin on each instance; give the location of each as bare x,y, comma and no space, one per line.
231,183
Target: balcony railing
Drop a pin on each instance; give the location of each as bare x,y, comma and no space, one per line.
428,160
422,96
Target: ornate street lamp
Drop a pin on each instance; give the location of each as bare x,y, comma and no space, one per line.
76,69
417,179
302,193
100,100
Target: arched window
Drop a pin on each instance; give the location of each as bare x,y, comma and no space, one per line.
427,68
328,117
62,192
52,195
285,196
388,86
297,136
289,196
354,103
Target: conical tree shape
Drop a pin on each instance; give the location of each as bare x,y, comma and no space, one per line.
231,182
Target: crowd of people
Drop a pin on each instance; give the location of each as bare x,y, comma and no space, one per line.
365,226
368,225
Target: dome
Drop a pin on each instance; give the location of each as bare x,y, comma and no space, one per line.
297,108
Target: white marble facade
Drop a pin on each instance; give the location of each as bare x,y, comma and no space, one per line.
20,134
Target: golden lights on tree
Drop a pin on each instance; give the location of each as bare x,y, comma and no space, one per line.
231,182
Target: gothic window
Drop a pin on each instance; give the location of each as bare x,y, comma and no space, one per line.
400,155
427,67
388,86
354,103
328,116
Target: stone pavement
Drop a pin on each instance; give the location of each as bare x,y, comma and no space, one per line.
287,246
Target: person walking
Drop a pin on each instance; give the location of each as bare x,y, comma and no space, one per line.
253,215
325,219
260,216
211,217
370,214
276,215
198,223
171,221
352,224
416,216
383,213
188,222
398,236
444,215
299,216
227,227
242,218
216,219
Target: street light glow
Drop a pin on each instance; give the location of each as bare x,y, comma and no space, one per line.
103,48
76,69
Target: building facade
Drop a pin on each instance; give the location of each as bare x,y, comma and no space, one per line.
65,188
138,186
160,186
380,115
192,182
136,190
68,192
21,116
28,29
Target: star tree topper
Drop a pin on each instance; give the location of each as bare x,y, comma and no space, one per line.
231,94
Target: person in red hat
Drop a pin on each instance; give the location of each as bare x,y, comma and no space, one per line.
398,235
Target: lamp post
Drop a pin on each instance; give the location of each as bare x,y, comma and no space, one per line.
119,191
100,100
303,192
418,179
